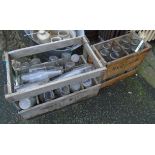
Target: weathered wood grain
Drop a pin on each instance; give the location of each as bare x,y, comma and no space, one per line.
118,78
44,47
60,102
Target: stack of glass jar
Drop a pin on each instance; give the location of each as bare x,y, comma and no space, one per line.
114,49
130,43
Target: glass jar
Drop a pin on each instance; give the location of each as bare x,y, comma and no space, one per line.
114,55
27,103
75,87
66,56
69,66
54,60
87,83
75,58
35,61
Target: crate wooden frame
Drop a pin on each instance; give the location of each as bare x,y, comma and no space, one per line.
118,78
120,65
58,102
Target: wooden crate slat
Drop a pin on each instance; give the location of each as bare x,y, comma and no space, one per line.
117,79
53,85
44,47
92,54
60,102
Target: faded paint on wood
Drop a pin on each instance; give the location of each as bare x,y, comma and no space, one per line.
44,47
60,102
117,79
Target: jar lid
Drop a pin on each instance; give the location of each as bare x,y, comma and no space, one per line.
75,58
114,55
25,103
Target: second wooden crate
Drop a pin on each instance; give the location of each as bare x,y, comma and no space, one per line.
127,62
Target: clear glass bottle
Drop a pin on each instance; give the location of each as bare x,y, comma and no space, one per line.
40,75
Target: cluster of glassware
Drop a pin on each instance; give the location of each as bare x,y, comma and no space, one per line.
131,43
112,50
52,36
33,72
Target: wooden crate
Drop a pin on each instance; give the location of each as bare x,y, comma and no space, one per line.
60,102
125,63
